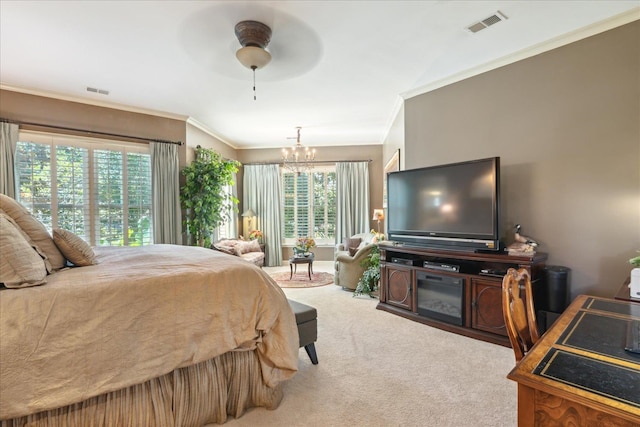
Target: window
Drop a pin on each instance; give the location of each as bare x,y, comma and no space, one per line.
98,189
228,229
309,205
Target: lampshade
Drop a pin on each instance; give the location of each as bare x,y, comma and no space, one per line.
378,215
253,57
249,212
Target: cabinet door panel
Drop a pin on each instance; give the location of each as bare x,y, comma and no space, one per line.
486,307
399,289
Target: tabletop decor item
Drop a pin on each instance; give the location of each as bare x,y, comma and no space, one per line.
522,245
304,245
256,235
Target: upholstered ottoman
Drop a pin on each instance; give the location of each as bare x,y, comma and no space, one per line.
306,319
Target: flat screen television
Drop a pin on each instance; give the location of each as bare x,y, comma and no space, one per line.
454,206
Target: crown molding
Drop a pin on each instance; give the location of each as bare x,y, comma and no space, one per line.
96,103
397,107
204,128
565,39
189,120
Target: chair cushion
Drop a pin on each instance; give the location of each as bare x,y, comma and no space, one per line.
256,258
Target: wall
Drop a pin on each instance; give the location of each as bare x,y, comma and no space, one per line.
196,136
394,141
38,109
566,126
331,155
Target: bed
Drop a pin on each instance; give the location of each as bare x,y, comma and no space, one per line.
160,335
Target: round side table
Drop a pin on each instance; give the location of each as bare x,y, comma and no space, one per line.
295,260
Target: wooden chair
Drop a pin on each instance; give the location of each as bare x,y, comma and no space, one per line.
519,314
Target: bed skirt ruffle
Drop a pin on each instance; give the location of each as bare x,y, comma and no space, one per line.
207,392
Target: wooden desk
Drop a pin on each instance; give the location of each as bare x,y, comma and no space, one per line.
578,373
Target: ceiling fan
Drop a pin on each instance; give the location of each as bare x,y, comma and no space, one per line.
254,37
208,37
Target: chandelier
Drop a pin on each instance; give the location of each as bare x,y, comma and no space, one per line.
298,159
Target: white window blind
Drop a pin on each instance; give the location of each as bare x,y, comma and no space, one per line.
99,189
72,183
309,205
227,230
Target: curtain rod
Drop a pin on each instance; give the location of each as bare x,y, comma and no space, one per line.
313,162
90,132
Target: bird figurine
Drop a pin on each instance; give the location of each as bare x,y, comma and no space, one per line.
523,239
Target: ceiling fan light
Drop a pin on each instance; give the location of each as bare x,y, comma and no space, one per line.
253,57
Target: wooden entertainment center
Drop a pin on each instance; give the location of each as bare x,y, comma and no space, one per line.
455,291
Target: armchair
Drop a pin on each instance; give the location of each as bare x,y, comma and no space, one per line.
348,270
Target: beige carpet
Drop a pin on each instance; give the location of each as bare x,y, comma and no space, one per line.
377,369
301,279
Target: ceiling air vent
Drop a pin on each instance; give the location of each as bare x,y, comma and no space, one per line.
95,90
487,22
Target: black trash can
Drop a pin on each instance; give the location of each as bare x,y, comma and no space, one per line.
557,281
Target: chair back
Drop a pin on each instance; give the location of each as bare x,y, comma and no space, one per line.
519,315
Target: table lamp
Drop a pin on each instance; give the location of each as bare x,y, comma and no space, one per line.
378,215
249,213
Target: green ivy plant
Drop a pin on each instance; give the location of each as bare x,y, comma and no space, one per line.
370,279
635,261
203,195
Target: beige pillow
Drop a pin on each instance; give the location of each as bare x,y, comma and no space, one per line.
351,242
227,249
34,229
47,264
76,250
246,247
20,265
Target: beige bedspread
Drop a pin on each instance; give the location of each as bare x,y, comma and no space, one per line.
138,314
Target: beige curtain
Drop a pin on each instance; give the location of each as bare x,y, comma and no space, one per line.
352,199
8,143
262,193
165,193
